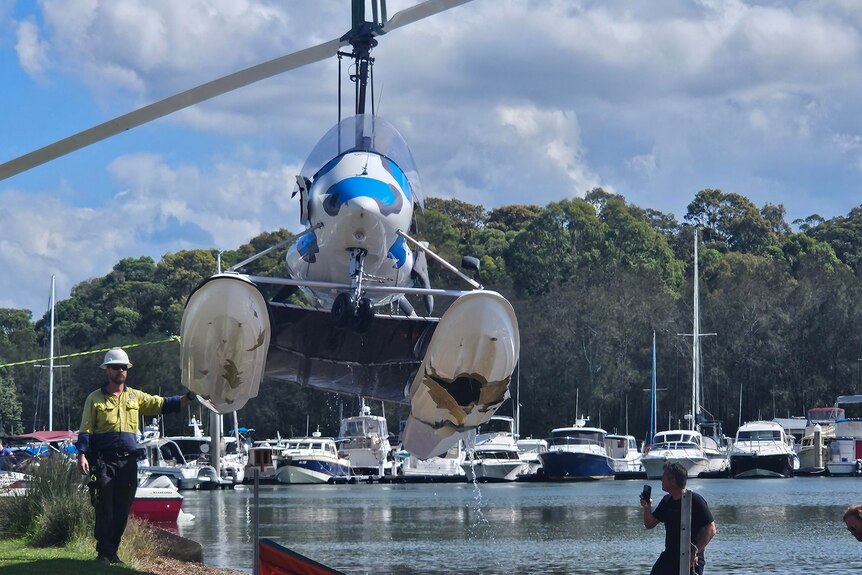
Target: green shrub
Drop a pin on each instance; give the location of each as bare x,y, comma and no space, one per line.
54,509
61,520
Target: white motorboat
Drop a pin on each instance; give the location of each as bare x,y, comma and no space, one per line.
529,450
364,441
762,449
494,455
157,500
197,450
165,458
844,452
814,455
312,459
715,447
577,453
683,446
442,468
13,483
262,455
185,460
626,457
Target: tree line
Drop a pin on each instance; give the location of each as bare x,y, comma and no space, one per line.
591,280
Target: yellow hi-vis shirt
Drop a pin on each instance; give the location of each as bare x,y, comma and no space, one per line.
111,421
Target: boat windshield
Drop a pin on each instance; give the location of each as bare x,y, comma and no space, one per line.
576,437
496,426
759,435
366,133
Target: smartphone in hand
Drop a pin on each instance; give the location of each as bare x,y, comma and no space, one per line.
646,494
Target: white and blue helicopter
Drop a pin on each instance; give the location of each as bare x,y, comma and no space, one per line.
356,261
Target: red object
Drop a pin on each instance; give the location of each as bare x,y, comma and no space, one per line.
49,436
157,508
278,560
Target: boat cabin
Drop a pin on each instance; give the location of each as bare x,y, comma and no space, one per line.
497,424
577,436
677,439
620,446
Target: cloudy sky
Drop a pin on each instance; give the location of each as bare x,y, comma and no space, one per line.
502,101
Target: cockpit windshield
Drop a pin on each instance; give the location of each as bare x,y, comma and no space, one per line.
365,132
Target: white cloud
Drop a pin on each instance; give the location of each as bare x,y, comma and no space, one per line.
32,50
552,140
161,209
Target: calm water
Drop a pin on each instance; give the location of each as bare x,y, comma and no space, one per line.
764,526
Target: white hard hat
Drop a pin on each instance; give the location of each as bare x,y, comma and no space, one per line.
116,356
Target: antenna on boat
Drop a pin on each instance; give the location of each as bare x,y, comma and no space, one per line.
518,401
577,399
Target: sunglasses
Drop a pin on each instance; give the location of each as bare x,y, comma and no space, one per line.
118,367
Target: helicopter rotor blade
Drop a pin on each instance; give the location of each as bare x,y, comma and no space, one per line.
170,105
210,90
418,12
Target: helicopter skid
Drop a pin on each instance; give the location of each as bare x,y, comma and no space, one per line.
465,373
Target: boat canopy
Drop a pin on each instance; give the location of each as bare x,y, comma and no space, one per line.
849,399
364,425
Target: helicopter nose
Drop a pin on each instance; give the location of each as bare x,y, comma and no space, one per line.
359,213
361,194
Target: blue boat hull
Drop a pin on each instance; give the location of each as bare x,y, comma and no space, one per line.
311,471
567,465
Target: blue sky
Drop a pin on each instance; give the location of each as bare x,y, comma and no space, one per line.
502,101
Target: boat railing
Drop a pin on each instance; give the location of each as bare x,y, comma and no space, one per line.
496,455
759,445
670,445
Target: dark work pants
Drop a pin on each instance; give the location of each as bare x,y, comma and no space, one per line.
117,478
667,565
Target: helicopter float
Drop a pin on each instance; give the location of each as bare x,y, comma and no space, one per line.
356,261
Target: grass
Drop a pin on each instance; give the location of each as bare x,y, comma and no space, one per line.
76,558
19,557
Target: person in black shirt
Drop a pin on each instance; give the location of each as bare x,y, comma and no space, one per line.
669,509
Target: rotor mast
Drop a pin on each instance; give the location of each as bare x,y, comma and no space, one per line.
362,38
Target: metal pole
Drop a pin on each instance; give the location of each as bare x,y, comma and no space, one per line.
215,444
51,365
256,519
685,534
443,262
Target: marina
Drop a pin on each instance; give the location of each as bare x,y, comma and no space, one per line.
790,526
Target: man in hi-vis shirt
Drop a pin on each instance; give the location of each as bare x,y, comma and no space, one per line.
108,448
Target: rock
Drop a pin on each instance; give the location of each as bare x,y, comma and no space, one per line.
177,547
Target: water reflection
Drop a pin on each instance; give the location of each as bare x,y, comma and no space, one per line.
791,526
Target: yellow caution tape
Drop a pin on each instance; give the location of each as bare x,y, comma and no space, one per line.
175,338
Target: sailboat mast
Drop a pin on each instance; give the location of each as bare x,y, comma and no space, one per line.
695,347
653,412
51,364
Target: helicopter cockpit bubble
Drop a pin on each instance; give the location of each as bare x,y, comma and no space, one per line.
365,133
